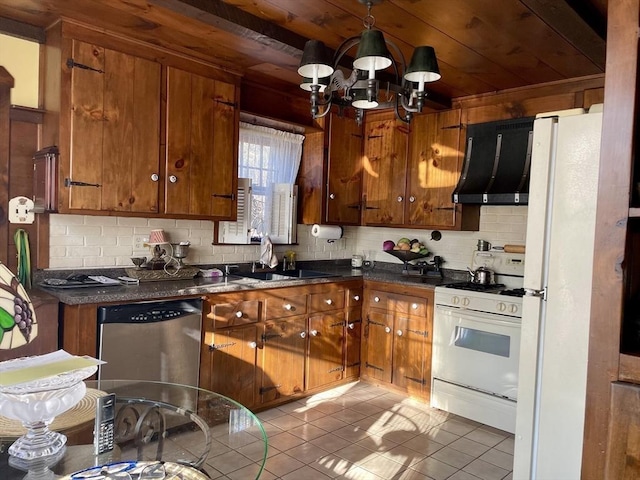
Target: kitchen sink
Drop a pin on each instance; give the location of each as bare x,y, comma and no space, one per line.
285,275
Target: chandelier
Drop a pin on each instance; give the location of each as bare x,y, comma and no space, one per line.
397,86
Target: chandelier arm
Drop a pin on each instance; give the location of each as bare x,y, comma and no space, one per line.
343,48
407,117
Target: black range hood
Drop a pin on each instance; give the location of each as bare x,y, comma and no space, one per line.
496,163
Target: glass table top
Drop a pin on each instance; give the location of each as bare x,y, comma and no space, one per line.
154,421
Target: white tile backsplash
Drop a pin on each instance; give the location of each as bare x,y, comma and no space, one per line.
79,241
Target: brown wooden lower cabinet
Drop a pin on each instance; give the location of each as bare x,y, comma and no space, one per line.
265,347
228,363
326,349
623,454
281,358
398,326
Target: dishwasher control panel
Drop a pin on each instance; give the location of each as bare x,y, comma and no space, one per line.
148,312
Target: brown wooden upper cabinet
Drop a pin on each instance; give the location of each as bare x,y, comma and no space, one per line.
104,113
344,177
384,168
435,163
105,104
202,144
397,174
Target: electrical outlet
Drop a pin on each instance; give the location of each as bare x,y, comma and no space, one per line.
139,242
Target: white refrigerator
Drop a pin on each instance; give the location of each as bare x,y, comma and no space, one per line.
556,308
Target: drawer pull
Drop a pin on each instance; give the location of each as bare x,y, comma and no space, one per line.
287,306
303,334
414,306
376,299
253,344
239,314
399,333
356,298
387,329
314,332
352,326
328,301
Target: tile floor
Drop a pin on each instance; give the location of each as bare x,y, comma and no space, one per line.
363,432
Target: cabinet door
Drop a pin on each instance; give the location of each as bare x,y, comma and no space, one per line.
201,162
435,160
282,357
353,342
115,132
378,340
228,362
344,182
326,344
410,354
384,167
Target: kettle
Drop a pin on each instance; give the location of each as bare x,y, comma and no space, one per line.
482,276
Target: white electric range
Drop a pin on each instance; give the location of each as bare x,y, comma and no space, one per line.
476,343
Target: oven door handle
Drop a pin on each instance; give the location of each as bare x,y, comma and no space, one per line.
488,318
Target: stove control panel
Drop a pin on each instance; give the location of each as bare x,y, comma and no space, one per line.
483,302
499,262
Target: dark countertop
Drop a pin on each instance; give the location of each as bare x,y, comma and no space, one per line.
155,290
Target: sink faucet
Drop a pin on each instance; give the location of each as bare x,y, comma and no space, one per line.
227,268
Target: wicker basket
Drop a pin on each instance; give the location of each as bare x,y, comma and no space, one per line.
145,275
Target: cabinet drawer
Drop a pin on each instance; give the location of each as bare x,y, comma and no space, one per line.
235,313
406,304
330,300
286,306
354,297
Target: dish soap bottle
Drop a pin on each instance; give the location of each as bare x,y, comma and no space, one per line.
289,260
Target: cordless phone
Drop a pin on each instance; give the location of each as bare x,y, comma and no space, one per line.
105,423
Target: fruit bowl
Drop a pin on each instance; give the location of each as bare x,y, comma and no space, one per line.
406,255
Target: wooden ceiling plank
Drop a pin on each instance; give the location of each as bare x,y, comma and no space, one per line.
466,23
560,16
328,17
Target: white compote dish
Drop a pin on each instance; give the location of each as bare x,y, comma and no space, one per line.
36,403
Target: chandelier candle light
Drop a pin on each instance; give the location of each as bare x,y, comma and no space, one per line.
362,90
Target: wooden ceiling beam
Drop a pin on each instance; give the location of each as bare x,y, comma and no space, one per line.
21,30
561,16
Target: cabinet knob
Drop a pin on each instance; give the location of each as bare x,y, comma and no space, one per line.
253,344
155,177
387,329
303,334
239,314
332,196
328,301
173,178
399,333
412,199
314,332
356,298
400,198
352,326
414,306
287,306
376,299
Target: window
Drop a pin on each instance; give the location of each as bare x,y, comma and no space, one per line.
268,162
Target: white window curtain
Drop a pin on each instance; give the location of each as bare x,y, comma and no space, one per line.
268,157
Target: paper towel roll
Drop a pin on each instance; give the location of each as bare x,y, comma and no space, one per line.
330,232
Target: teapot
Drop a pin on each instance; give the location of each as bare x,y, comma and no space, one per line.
481,276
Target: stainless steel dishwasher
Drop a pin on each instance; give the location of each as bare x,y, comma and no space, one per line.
151,341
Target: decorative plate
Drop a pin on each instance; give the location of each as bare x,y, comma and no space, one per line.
18,324
133,468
